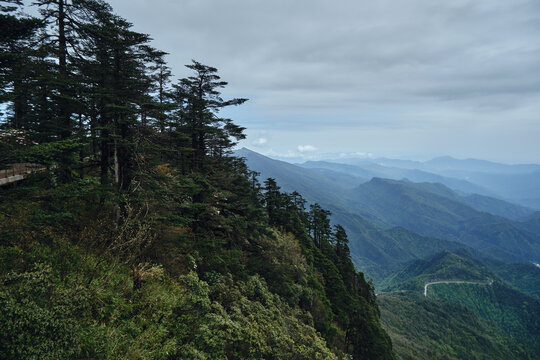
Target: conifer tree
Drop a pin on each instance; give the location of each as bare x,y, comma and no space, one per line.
119,80
16,63
199,101
319,224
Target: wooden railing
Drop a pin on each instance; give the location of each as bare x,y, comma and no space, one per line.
18,171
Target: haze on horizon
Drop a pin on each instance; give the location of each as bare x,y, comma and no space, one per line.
412,79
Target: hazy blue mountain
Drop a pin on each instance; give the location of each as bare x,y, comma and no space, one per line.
478,202
316,186
516,183
399,203
432,183
375,251
370,170
531,223
379,252
521,188
497,207
519,183
444,163
430,209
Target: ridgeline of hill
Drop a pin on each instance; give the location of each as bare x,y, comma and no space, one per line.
423,328
448,220
399,203
472,285
441,266
141,237
519,184
369,170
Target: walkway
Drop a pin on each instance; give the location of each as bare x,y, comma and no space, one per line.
18,172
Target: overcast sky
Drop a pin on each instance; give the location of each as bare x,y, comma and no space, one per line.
405,79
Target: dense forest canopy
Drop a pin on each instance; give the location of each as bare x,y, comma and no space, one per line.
138,235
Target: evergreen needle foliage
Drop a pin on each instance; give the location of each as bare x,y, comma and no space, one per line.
139,236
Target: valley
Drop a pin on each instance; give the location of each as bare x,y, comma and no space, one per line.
421,231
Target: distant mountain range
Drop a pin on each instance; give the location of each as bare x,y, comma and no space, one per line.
371,170
370,209
516,183
410,223
437,211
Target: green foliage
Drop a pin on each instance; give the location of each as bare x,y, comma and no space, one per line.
524,277
441,266
49,315
511,311
139,236
423,328
514,312
266,293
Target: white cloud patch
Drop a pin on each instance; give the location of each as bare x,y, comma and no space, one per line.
283,155
259,142
306,148
359,154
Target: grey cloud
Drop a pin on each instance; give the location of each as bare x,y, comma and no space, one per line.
350,63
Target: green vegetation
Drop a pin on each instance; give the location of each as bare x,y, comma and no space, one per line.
523,277
445,218
140,236
514,312
423,328
532,223
61,301
380,253
77,284
441,266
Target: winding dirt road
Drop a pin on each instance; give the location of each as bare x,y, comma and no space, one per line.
487,282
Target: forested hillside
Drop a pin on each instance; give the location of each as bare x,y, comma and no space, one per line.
138,235
429,217
462,280
423,328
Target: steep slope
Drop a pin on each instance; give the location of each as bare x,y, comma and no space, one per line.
474,286
423,328
379,252
191,268
428,208
441,266
514,312
399,203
